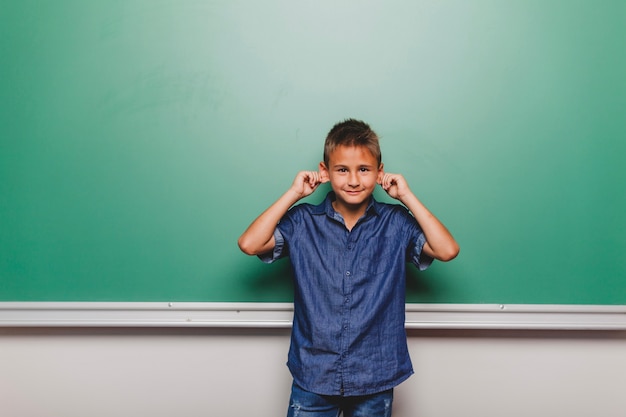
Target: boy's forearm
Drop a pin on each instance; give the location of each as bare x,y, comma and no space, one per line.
439,242
259,236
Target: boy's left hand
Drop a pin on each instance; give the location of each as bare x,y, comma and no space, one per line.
395,185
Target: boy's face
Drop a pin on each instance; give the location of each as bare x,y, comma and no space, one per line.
353,173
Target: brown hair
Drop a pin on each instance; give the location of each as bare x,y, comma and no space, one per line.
352,132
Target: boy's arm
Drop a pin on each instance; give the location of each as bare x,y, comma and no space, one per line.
439,242
259,236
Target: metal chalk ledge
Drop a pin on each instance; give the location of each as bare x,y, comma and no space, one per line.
279,315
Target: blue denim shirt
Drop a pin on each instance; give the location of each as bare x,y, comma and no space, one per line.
348,336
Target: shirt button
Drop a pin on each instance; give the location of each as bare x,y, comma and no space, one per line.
348,273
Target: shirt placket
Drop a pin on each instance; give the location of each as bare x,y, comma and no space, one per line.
347,286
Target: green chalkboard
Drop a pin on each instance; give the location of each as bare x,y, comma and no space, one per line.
138,139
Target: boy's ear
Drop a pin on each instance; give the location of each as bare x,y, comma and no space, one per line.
381,173
323,172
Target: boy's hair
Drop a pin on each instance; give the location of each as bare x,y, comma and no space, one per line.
352,132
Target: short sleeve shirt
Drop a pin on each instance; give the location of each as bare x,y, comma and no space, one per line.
348,336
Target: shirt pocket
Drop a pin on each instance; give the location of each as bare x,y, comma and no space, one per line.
380,255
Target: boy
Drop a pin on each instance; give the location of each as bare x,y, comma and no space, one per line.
348,341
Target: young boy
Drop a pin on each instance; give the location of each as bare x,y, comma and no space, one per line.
349,254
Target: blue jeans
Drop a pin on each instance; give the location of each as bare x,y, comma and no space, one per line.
307,404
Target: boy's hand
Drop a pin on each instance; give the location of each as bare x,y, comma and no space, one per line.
395,185
306,182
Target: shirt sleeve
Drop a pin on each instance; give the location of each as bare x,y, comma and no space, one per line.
283,234
417,240
277,252
417,256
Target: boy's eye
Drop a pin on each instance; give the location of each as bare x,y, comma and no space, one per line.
364,169
342,170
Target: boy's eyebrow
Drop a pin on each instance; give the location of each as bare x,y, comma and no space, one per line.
360,166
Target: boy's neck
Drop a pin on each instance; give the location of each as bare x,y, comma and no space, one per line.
350,214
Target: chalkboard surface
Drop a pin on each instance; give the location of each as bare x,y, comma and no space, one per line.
138,139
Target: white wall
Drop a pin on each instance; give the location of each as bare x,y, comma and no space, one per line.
56,372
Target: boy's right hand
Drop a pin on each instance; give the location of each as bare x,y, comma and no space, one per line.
306,182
